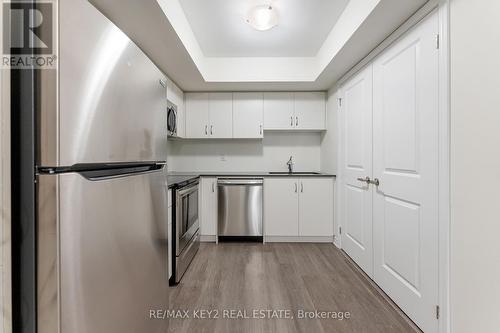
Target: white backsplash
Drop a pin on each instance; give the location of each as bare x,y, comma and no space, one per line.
269,154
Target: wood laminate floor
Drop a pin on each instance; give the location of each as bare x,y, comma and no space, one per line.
279,276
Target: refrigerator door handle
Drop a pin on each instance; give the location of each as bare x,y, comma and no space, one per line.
97,175
95,172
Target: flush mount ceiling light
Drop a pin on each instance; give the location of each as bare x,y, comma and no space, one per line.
263,17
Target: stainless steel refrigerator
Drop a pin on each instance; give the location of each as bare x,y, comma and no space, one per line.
101,192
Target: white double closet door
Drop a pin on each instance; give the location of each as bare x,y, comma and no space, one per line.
389,118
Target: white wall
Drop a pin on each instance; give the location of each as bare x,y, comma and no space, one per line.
475,165
269,154
329,138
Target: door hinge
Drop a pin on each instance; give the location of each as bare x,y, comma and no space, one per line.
437,311
437,41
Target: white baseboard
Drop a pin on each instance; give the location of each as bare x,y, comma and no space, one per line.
208,238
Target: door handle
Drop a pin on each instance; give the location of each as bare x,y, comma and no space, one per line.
297,121
295,187
301,187
213,187
260,131
211,129
206,129
367,180
291,121
375,182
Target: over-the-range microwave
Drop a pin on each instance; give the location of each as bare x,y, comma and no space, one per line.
171,119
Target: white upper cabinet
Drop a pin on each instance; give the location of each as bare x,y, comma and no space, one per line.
209,115
245,115
220,106
248,115
310,110
295,111
278,111
197,119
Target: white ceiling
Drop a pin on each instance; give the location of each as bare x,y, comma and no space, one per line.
161,29
221,30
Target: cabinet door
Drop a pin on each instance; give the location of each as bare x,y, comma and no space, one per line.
220,106
281,202
278,110
310,110
315,207
248,114
197,115
208,213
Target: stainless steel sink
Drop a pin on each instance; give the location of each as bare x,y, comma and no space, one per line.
293,173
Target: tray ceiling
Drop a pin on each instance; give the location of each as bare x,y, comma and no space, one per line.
221,30
164,30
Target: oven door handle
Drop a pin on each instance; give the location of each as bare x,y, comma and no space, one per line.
187,190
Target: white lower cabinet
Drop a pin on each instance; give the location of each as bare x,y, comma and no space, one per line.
298,207
315,207
281,207
208,207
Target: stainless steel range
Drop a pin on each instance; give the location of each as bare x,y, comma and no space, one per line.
185,228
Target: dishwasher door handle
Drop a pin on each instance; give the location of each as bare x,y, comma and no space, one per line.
240,182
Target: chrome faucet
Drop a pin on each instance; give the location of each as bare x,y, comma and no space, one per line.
290,164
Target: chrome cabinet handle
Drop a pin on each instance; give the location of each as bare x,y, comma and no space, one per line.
301,187
211,129
295,187
375,182
296,121
213,187
260,131
206,129
366,179
291,121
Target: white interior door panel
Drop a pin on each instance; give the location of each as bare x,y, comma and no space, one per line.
357,163
405,151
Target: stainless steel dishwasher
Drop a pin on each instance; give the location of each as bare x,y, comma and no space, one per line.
240,209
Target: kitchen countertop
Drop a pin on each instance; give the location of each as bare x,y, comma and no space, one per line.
179,178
